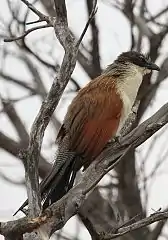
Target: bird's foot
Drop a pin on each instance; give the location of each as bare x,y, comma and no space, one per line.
115,139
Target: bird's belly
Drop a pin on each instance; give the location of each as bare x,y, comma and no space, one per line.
126,110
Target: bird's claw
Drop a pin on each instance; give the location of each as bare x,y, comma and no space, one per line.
115,139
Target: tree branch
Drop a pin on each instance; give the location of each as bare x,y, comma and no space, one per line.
13,147
15,120
18,82
154,235
31,156
36,11
95,40
27,32
158,216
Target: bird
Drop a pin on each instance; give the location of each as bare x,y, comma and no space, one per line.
96,115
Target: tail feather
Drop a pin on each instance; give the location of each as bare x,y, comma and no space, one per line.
60,179
58,186
63,181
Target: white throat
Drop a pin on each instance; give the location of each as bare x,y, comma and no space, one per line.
127,88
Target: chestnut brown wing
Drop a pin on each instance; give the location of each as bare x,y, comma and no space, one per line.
93,117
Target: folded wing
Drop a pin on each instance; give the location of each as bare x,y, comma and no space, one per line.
93,117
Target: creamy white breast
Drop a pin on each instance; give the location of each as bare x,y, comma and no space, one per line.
128,89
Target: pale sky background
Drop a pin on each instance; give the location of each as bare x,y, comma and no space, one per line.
114,38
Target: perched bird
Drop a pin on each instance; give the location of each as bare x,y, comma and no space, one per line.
96,114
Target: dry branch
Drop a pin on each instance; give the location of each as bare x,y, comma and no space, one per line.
27,32
31,155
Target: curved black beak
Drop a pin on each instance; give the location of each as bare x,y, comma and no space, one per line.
152,66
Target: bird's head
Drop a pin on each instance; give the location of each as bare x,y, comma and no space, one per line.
137,59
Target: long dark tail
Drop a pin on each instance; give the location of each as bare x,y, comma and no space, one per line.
58,184
61,178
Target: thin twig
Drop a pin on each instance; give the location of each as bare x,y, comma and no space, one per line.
36,21
27,32
36,11
139,224
93,12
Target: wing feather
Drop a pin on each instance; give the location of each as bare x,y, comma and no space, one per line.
93,117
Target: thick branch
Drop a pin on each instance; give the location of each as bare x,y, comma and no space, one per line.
37,132
47,109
